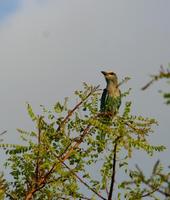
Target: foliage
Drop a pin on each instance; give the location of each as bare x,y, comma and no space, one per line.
68,142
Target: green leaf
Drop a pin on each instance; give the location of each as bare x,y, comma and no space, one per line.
58,108
31,113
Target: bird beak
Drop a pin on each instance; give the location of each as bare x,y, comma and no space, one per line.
103,72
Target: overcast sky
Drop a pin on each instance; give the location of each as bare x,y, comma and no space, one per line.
49,47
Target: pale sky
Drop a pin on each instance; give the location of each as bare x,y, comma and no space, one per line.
49,47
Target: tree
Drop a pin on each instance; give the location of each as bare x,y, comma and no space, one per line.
67,142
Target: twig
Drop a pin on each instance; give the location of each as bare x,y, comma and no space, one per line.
3,132
148,84
164,193
158,190
150,193
162,74
81,180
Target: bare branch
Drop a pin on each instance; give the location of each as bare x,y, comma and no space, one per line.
113,169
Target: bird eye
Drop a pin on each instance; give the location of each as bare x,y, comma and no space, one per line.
111,73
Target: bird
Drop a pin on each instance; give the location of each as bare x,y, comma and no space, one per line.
111,96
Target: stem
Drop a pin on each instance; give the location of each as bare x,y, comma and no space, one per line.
38,153
113,170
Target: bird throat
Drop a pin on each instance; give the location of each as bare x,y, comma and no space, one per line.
112,88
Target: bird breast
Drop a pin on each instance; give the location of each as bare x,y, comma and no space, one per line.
113,90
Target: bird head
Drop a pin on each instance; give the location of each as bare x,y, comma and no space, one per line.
110,77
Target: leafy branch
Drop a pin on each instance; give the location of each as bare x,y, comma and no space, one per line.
146,187
162,74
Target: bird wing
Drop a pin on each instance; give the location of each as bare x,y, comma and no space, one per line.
103,100
119,100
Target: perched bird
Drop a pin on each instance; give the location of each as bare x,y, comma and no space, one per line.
111,96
